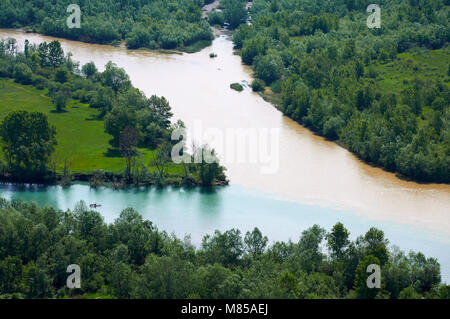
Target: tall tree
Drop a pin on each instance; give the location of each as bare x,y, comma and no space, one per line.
127,143
28,141
338,240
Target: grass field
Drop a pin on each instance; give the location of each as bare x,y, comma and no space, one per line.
425,64
81,137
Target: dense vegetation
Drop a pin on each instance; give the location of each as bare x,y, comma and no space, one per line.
382,93
99,115
167,24
131,258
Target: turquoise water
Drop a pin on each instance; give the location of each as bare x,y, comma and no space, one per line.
198,212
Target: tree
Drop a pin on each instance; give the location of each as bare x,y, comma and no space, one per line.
61,75
361,288
161,159
89,70
60,99
55,54
308,249
409,293
10,274
425,272
255,242
225,248
338,241
127,142
235,13
268,67
115,77
209,167
22,73
28,141
119,118
376,245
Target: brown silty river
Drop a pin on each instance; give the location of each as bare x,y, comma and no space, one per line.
309,170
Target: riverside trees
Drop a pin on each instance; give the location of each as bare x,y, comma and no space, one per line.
379,92
168,24
131,258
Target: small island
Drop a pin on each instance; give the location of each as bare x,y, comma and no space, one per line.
237,87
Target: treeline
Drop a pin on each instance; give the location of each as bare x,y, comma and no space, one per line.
131,258
321,62
133,120
167,24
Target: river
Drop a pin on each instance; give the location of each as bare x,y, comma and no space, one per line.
317,181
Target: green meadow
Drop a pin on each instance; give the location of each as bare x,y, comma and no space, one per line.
415,63
81,137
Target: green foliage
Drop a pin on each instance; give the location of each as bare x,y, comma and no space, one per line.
143,24
27,140
361,288
258,85
234,12
338,241
131,258
89,70
115,77
22,73
61,75
237,87
268,68
409,293
216,18
381,93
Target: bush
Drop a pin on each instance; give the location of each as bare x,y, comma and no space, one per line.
5,69
39,82
269,67
258,85
61,75
216,18
276,86
236,87
22,73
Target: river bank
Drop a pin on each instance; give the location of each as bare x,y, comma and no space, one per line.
110,180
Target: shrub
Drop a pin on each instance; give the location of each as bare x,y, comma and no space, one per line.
39,82
276,86
216,18
61,75
22,73
269,67
236,87
258,85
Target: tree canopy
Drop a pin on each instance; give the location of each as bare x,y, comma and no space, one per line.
131,258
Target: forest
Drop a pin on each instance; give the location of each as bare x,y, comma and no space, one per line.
383,93
133,128
151,24
131,258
